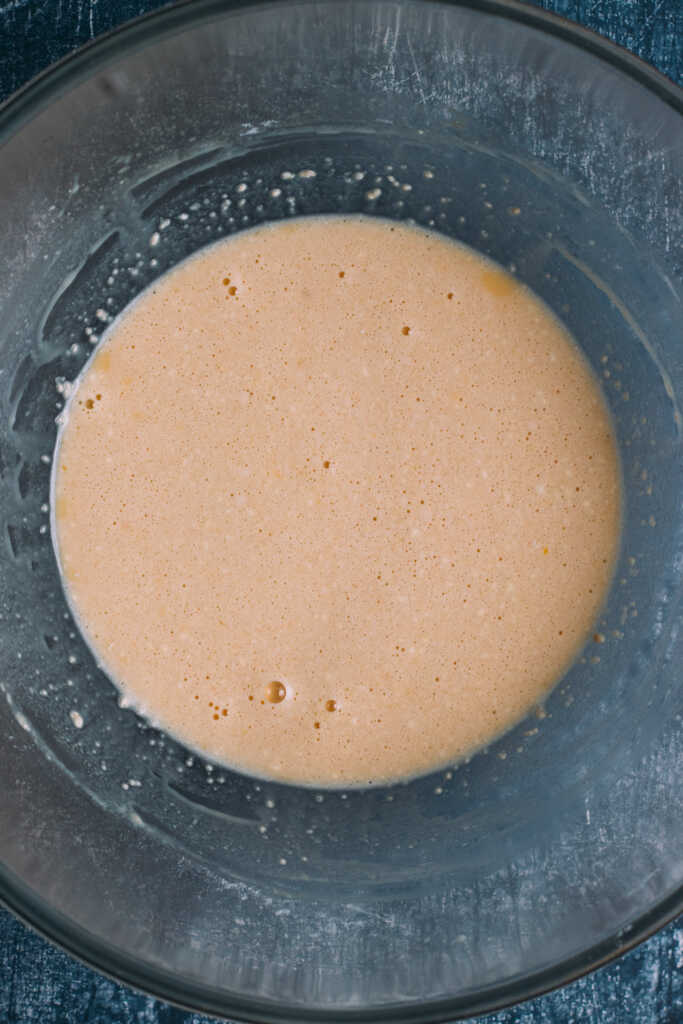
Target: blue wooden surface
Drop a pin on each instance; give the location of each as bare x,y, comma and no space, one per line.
40,983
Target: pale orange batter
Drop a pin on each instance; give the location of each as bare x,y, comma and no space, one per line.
336,501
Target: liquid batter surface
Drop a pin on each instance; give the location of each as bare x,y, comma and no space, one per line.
336,501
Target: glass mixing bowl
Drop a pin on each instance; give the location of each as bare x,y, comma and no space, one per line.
559,846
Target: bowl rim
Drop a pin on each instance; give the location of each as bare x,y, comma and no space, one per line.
93,952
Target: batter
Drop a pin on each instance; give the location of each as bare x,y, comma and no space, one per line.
336,501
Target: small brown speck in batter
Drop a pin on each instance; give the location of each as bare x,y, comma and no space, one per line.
276,692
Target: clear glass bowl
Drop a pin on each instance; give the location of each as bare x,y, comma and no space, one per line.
560,846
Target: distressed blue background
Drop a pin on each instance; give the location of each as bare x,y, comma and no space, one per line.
39,983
